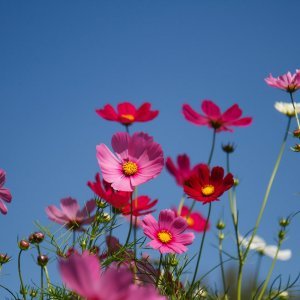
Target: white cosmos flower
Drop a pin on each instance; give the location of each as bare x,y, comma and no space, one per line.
259,245
287,108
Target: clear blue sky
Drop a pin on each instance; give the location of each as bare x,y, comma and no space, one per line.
60,60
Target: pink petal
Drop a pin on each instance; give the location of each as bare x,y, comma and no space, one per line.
3,208
55,215
150,226
193,116
70,207
166,218
185,238
123,183
5,195
178,226
242,122
126,108
177,248
119,142
211,109
232,113
2,177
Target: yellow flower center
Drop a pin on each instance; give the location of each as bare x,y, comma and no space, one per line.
129,168
164,236
130,118
208,190
190,221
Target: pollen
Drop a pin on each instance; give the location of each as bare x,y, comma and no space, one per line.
129,168
190,221
164,236
130,118
208,190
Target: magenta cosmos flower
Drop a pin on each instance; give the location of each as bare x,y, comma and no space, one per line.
287,82
5,194
194,219
127,113
84,275
138,159
207,185
182,171
70,213
167,234
213,117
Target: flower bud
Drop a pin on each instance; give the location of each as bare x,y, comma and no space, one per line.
100,203
42,260
220,225
281,234
4,258
24,245
23,291
236,182
228,148
296,133
221,236
106,218
36,237
296,148
174,261
33,293
284,222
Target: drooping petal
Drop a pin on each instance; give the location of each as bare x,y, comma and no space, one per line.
3,208
192,116
5,195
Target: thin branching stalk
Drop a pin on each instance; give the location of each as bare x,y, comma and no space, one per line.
221,236
212,147
159,266
131,219
264,203
295,110
20,275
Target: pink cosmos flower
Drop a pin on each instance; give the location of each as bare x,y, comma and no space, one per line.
127,113
287,82
5,194
138,159
70,214
213,117
141,205
183,171
84,275
194,219
167,234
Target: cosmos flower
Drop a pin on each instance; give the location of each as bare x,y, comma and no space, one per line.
117,199
140,206
213,117
207,186
127,113
138,159
287,82
287,108
84,275
167,235
70,213
181,172
5,194
194,219
259,245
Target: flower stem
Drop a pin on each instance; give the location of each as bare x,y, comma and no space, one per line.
181,203
261,294
212,147
296,114
159,266
131,221
20,275
222,263
264,203
201,247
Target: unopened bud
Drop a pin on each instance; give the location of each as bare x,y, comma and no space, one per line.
284,222
174,261
236,181
281,234
221,236
23,291
296,148
101,204
228,148
220,225
296,133
42,260
36,237
106,218
33,293
4,258
24,245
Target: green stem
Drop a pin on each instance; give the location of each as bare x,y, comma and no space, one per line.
257,269
159,266
295,111
264,203
181,203
130,226
74,237
261,294
20,275
212,147
222,263
201,247
5,288
135,235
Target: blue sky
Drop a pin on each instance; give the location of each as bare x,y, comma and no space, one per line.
60,60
